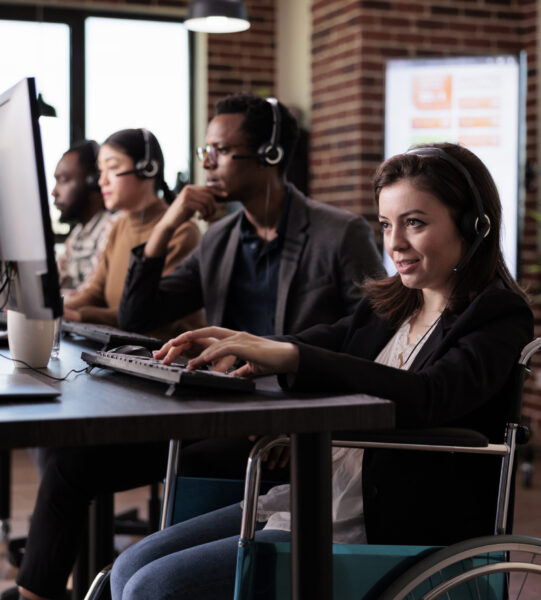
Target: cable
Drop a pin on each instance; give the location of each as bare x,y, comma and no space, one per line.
266,238
41,372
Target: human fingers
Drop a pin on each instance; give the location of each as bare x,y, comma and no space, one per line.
71,315
172,353
224,364
278,456
160,353
228,344
198,335
192,199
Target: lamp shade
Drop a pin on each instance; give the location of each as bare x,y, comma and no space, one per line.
217,16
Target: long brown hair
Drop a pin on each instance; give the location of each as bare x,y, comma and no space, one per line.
389,297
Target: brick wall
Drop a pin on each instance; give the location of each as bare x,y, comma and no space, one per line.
351,40
244,61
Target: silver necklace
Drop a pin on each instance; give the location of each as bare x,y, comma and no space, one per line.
421,339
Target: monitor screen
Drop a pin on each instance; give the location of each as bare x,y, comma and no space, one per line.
29,277
477,101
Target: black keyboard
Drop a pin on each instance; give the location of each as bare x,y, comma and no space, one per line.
174,375
111,336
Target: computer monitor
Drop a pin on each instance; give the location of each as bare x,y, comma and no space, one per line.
28,273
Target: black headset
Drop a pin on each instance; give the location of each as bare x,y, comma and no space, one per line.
91,180
147,168
270,153
475,223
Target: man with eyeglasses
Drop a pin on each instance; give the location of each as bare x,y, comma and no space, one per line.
278,266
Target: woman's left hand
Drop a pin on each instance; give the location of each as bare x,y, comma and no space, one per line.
71,315
262,356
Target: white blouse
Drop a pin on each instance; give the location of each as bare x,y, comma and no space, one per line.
347,499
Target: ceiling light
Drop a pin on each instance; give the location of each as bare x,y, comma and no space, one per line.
217,16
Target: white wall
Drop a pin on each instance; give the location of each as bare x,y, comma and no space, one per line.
293,44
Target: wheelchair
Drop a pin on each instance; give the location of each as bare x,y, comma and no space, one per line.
496,567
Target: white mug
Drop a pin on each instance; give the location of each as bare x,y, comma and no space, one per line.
30,340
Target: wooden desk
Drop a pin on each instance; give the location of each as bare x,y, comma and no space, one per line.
106,407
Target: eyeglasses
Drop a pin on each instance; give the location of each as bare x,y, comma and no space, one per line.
211,153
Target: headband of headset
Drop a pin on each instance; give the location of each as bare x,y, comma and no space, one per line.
270,153
147,168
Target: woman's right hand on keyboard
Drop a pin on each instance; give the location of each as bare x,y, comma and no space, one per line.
180,347
262,356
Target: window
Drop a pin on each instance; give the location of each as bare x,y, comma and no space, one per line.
137,76
40,50
101,74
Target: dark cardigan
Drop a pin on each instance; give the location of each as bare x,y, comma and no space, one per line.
458,379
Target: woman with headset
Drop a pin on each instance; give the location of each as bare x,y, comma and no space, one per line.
131,179
440,338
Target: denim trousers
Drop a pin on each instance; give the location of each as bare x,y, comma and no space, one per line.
195,559
72,477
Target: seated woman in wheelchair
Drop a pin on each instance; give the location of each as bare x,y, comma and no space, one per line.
440,338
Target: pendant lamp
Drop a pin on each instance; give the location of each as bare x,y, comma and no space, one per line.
217,16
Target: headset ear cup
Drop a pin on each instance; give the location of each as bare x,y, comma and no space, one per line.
146,169
91,181
270,155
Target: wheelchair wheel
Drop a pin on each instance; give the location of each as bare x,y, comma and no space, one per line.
504,567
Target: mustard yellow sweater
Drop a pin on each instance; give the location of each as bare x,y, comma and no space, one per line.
99,301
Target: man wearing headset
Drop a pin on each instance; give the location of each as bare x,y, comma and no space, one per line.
78,198
281,264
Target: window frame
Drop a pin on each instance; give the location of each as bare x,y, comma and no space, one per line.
74,18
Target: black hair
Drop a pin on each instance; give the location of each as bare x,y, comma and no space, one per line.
87,156
258,121
132,143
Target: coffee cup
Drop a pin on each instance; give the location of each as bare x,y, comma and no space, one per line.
30,340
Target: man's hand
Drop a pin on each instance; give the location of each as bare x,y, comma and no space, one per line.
192,199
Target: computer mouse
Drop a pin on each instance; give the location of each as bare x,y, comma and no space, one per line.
132,349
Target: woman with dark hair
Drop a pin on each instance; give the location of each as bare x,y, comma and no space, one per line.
131,167
439,338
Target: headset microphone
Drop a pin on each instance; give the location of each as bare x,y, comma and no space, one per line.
242,156
130,172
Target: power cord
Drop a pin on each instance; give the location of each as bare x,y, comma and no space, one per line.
41,372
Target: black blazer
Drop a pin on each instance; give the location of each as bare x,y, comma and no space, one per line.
458,379
326,252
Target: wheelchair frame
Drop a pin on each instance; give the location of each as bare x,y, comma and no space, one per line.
403,586
466,441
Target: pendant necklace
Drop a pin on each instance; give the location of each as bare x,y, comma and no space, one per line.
421,339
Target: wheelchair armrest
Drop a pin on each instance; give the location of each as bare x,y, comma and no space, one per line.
437,436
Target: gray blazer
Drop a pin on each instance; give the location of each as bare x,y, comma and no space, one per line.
326,252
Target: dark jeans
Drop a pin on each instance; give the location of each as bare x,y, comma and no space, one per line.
72,477
195,559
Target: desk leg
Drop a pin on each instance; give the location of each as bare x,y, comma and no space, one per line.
311,526
5,492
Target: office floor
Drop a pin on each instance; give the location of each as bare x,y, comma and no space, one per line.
24,486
